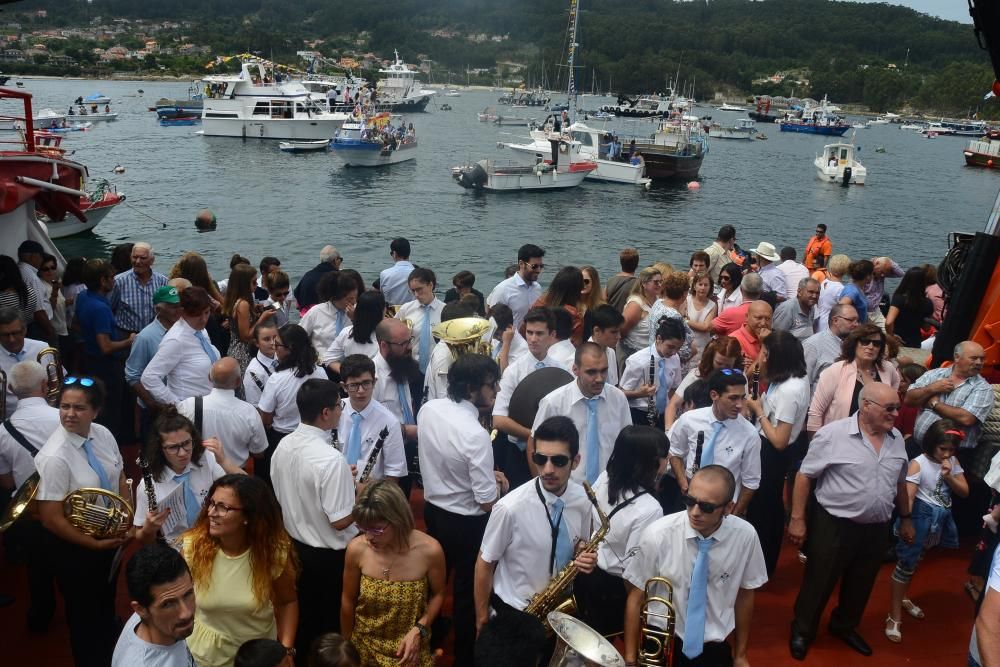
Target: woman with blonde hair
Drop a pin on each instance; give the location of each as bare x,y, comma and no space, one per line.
192,266
394,578
243,566
642,296
592,294
243,314
830,288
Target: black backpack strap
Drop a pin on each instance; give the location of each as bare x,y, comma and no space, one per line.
21,440
199,410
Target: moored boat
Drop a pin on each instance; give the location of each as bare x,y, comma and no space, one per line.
743,129
838,164
985,151
71,127
399,91
811,120
762,112
958,128
95,206
492,176
303,146
487,115
373,142
675,151
730,107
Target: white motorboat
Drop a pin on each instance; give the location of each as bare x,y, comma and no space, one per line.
41,120
838,164
303,146
399,91
492,176
373,142
731,107
744,128
936,128
487,115
880,120
95,117
255,104
912,126
512,121
862,126
452,93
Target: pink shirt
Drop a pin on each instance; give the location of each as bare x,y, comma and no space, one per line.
835,390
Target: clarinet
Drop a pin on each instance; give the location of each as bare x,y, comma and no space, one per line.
697,453
374,455
147,481
755,388
651,405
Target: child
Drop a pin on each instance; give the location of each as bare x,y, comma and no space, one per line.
930,481
263,363
332,650
606,330
263,653
277,285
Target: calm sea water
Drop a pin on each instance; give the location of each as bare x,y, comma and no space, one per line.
268,202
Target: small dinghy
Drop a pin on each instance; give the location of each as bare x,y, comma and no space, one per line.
303,146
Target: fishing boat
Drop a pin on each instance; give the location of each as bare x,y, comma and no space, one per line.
261,102
647,106
744,128
493,176
959,128
303,146
523,99
762,111
814,120
839,164
192,106
179,121
985,151
373,142
399,90
675,151
95,206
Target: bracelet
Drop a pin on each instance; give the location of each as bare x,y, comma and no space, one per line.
290,650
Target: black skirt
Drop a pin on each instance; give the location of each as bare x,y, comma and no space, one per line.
600,601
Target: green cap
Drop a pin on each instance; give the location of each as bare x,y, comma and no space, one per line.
166,294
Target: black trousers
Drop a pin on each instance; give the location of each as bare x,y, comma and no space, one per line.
713,654
321,582
24,542
89,597
838,550
514,463
111,372
262,466
460,537
600,601
767,507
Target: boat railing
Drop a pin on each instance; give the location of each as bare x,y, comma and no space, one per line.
26,137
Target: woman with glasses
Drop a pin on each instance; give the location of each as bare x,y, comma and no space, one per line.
729,295
48,274
642,296
81,454
592,294
243,567
182,467
394,580
839,385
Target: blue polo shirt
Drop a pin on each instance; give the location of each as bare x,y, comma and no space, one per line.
94,316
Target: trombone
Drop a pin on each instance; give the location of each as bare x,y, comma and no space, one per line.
54,373
656,644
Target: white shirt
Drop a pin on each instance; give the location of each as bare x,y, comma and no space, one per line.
829,295
132,650
518,348
36,420
731,301
456,457
794,272
518,538
668,548
627,524
321,325
278,397
391,462
235,423
394,283
8,359
180,367
436,377
612,416
344,346
387,391
787,402
517,294
258,370
202,476
415,313
636,374
612,364
930,487
737,446
314,486
512,377
564,352
63,466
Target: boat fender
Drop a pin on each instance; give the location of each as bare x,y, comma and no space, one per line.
563,148
847,176
473,177
989,163
118,169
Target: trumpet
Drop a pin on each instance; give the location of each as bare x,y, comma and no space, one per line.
656,644
54,373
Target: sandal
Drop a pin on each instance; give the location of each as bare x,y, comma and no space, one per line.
892,632
973,591
912,609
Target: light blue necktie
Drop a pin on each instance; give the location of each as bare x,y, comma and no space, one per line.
205,345
340,320
564,546
694,623
661,389
593,441
191,504
17,356
404,404
425,339
497,348
539,364
708,451
354,440
88,449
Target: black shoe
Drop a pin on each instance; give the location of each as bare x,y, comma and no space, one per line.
853,639
798,645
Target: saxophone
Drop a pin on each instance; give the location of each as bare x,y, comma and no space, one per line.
651,404
373,457
556,596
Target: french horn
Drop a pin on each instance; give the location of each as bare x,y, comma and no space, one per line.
53,374
98,513
20,503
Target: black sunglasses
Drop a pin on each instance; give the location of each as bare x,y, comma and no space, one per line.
704,506
559,460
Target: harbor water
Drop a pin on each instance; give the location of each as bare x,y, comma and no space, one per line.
268,202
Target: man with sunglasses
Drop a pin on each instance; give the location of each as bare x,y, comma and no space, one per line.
531,535
714,561
858,466
818,250
718,252
363,421
522,289
823,348
726,437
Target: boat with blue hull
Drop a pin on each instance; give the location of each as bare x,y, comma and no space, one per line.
815,120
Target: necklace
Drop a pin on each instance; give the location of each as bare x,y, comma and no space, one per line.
388,568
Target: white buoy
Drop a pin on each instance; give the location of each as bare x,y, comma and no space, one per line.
118,169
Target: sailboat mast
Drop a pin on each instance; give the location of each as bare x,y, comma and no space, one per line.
571,92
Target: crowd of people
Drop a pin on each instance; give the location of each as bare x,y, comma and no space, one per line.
697,415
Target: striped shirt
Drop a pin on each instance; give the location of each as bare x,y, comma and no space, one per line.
132,302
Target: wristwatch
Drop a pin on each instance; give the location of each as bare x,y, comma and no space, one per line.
933,403
424,632
290,650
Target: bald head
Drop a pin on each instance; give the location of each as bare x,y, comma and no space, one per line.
390,329
758,318
180,283
225,374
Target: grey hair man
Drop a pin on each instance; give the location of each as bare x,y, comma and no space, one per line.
798,316
132,297
305,292
823,348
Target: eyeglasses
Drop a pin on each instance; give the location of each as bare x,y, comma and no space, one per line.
405,343
377,532
536,267
703,505
358,386
892,407
186,445
849,320
731,371
221,509
871,342
84,382
559,460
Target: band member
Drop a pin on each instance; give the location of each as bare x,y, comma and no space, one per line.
625,493
727,438
508,344
177,457
714,562
263,364
163,602
424,311
362,422
395,370
441,357
82,454
314,487
460,486
598,410
661,361
544,518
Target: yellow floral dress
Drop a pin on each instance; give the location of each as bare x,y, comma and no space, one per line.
385,612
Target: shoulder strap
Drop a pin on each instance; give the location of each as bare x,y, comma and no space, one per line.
199,410
21,440
625,504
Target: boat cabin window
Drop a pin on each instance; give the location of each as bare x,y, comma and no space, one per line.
583,138
262,109
843,153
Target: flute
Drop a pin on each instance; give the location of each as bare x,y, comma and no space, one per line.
366,473
651,405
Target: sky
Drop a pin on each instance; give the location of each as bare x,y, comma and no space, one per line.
953,10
